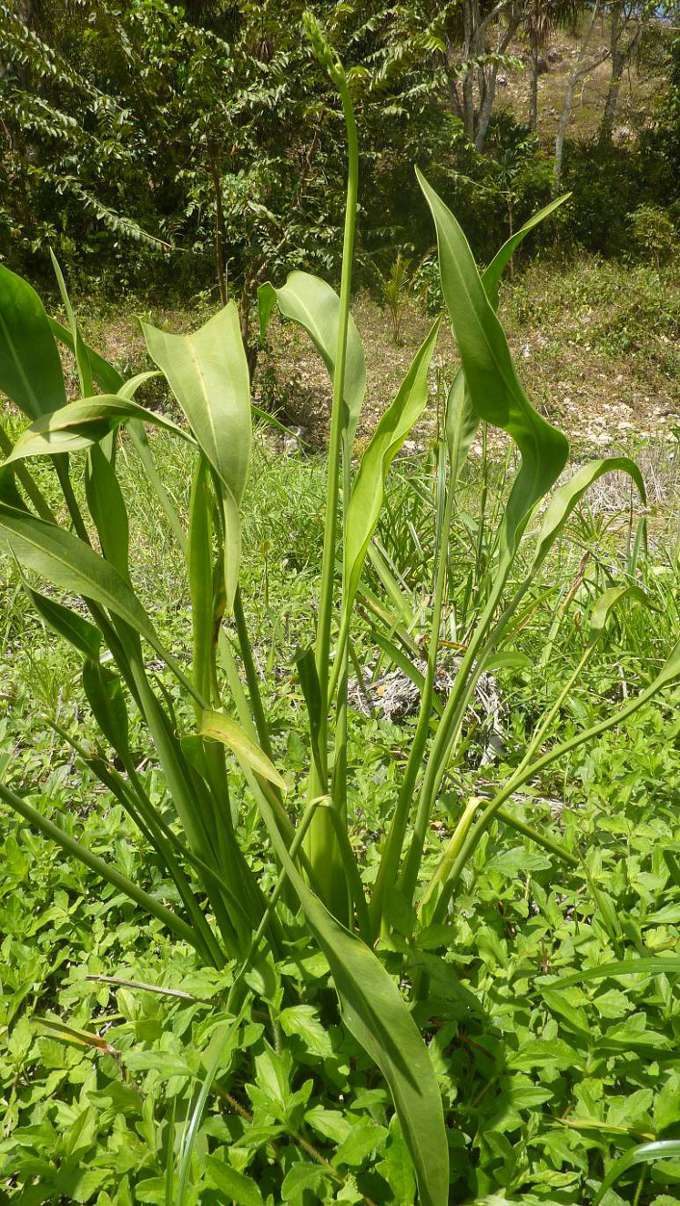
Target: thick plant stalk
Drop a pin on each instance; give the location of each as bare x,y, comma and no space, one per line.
323,847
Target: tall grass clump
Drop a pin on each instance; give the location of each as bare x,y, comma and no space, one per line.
84,552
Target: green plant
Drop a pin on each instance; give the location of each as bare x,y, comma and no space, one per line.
653,233
220,908
394,290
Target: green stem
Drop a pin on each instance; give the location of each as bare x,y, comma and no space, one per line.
526,772
175,924
448,728
389,864
323,848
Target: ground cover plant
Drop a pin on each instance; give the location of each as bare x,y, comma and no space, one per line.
391,929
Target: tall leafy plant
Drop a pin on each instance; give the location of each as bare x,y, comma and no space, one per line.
223,913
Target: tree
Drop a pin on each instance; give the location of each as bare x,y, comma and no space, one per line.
540,18
474,60
584,64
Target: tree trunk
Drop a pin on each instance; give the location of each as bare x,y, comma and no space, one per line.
485,108
620,55
533,89
580,70
563,126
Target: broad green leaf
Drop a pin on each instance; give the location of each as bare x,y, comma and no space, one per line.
67,623
83,423
208,374
71,565
315,306
570,494
304,1021
461,419
376,1014
219,727
30,369
495,392
234,1185
363,1139
368,493
301,1180
643,1153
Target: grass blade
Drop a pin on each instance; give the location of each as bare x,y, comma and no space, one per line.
643,1153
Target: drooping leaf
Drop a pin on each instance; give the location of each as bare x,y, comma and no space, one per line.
30,368
67,623
367,496
568,496
112,382
83,423
104,692
208,374
495,392
70,564
315,306
234,1185
609,600
219,727
376,1014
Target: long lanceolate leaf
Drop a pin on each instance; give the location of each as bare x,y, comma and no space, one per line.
30,369
491,392
376,1014
462,419
73,566
642,1153
315,306
495,391
83,423
208,374
368,491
